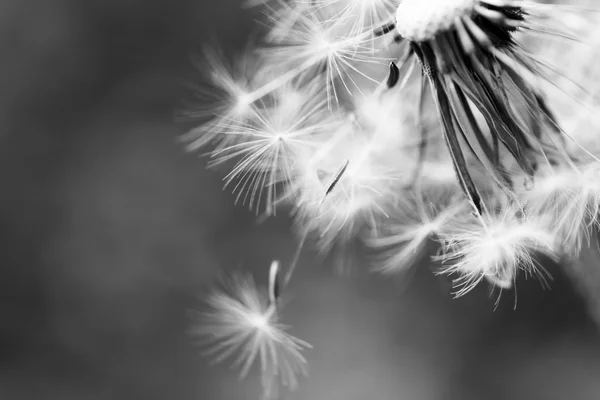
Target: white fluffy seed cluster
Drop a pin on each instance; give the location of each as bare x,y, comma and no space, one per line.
309,124
364,166
421,20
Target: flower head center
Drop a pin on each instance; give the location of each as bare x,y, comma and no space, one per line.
259,321
422,20
244,100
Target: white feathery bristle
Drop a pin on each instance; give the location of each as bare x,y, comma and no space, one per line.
403,238
319,119
226,98
241,320
572,91
495,247
438,173
345,184
283,16
568,200
285,127
314,44
255,3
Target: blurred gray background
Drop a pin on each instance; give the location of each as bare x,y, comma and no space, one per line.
110,233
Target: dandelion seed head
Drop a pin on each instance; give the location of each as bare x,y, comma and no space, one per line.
474,66
422,20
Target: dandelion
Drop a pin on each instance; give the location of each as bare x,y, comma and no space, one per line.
495,247
242,320
404,240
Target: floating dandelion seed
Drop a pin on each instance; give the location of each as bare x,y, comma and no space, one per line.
243,319
495,247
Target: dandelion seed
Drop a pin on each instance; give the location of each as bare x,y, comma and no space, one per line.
283,16
403,241
358,16
274,283
568,200
315,45
242,320
438,173
273,140
225,100
336,178
495,247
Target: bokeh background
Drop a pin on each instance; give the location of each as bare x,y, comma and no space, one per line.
111,232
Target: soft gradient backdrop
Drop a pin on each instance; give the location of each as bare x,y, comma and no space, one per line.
110,233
